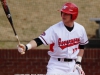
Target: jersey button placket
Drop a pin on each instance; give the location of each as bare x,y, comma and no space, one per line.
68,44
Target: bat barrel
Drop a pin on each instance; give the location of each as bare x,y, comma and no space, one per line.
7,12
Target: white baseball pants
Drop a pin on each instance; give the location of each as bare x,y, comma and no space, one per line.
61,67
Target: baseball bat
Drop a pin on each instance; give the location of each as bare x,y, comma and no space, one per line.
7,12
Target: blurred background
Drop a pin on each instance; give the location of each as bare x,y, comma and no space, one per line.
32,17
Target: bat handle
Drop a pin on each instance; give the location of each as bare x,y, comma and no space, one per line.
19,43
18,39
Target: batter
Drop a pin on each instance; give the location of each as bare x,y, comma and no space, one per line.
67,39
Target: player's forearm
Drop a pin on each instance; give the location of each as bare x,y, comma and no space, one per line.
32,44
80,55
81,52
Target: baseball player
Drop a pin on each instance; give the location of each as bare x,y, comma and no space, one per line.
67,40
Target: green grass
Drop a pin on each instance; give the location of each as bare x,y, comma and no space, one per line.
32,17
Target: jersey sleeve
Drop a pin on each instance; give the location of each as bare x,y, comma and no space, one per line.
47,36
84,38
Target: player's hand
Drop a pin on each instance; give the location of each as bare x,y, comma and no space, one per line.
79,68
21,48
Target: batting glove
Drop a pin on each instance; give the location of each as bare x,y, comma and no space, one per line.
79,68
21,48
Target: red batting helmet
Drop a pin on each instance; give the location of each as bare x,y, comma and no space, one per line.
70,8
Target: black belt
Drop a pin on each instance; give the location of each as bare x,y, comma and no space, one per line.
65,59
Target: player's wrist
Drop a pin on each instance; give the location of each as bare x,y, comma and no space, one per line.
78,60
28,47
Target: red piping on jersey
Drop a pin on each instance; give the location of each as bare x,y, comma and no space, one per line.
51,47
44,40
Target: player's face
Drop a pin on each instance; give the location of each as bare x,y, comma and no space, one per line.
66,17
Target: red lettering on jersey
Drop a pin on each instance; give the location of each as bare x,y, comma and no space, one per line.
62,42
68,43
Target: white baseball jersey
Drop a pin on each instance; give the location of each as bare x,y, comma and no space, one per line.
64,43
